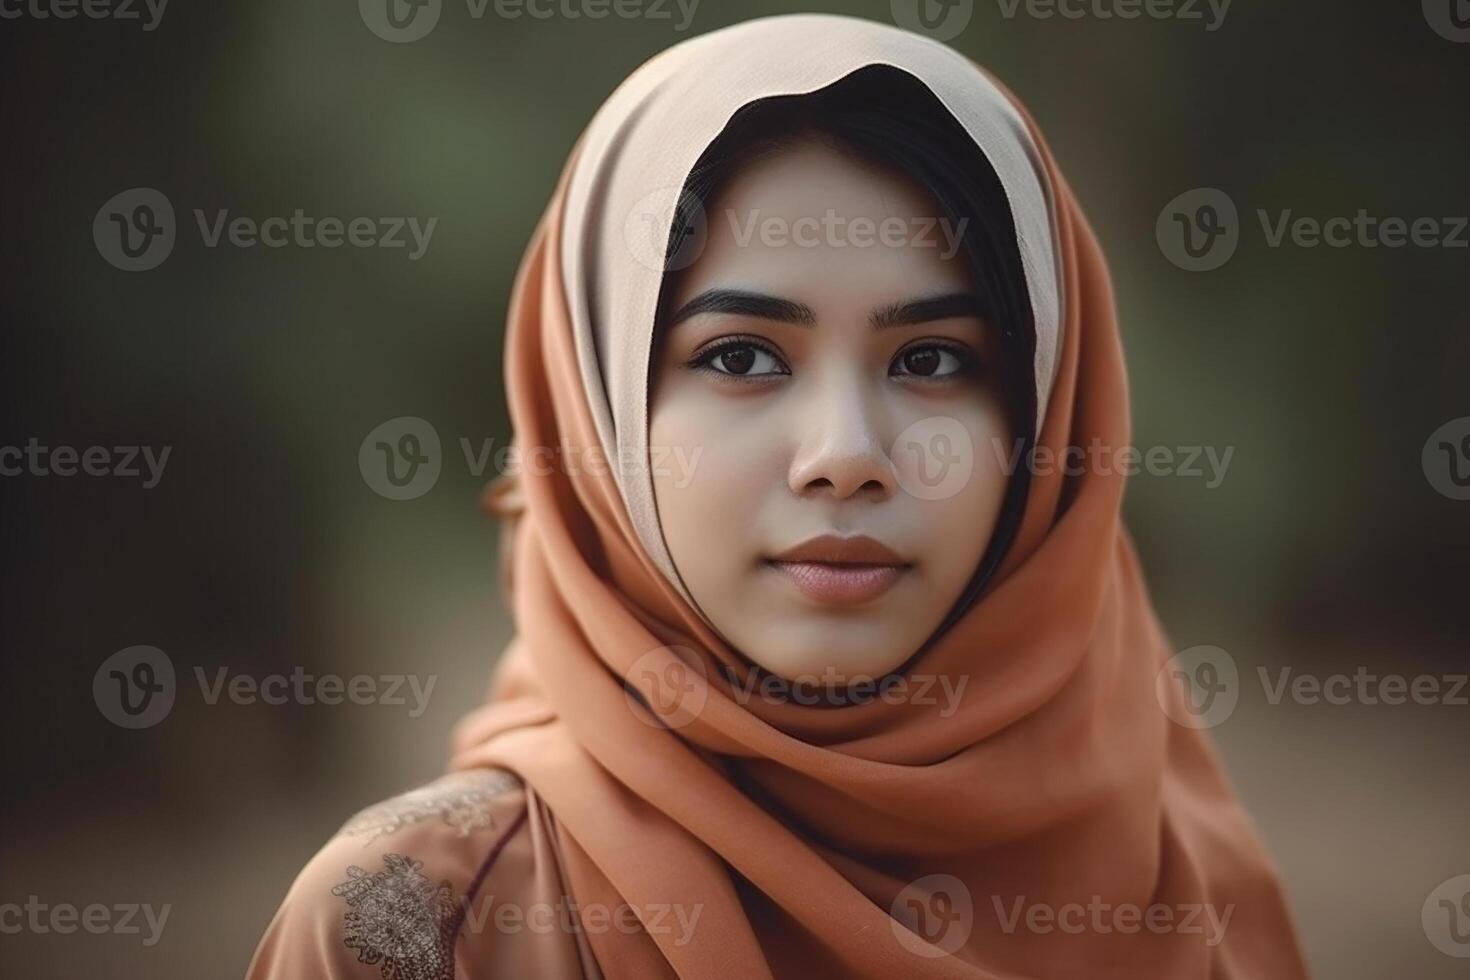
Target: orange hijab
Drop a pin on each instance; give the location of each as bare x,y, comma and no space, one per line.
1058,823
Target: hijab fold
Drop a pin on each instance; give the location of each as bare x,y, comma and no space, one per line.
828,842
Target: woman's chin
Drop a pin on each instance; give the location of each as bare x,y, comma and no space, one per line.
809,647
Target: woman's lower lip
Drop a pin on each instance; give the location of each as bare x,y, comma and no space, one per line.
839,584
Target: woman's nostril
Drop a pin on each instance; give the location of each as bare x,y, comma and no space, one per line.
843,488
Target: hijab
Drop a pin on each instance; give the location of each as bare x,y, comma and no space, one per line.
1055,822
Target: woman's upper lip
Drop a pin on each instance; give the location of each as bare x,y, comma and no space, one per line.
834,549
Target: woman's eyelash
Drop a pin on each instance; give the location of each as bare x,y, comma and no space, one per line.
969,363
703,358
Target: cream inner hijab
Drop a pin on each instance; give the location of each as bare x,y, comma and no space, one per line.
640,148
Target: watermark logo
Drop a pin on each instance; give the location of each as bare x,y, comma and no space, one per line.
667,687
672,919
834,230
934,458
401,458
1106,918
1201,687
1364,686
299,687
1446,459
37,459
63,918
942,20
1207,463
135,229
1198,687
834,689
134,688
1199,229
1180,10
666,229
933,916
400,21
1450,19
1446,917
150,12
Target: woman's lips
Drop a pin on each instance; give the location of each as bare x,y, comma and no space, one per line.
839,584
841,570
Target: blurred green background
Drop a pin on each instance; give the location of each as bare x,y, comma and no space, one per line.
263,548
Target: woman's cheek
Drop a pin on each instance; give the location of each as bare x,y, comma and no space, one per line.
714,488
956,478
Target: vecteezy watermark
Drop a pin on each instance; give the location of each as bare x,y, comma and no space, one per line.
568,916
402,458
299,687
1200,229
371,895
1446,917
1363,686
150,12
667,687
668,228
833,230
120,462
136,688
933,916
933,458
1200,687
1450,19
942,20
64,918
1105,460
1446,459
1103,918
135,230
834,689
402,21
1210,12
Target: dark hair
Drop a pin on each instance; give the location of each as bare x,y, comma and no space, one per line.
888,117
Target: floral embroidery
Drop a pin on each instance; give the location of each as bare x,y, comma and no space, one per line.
400,919
461,800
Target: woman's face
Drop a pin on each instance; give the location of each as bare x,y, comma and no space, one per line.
823,365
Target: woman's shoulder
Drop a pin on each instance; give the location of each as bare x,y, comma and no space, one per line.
411,886
472,808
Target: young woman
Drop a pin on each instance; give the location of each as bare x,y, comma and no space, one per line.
814,675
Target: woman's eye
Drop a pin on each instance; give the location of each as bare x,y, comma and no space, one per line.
930,361
741,359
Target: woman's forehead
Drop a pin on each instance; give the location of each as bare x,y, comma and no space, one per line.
815,226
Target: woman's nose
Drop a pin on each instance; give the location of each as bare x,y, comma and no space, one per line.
840,448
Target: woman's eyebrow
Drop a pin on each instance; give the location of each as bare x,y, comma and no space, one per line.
948,306
742,303
739,302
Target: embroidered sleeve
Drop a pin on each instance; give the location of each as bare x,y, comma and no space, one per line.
393,893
